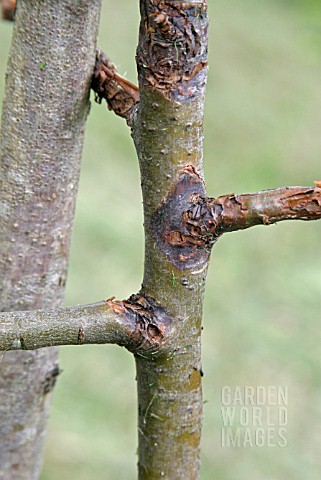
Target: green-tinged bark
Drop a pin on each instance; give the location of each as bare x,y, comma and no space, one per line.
81,325
139,324
44,113
168,133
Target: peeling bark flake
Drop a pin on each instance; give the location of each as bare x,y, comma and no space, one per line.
151,322
120,94
8,9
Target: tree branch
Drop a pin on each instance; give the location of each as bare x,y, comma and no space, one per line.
120,94
44,114
29,330
208,218
138,324
168,129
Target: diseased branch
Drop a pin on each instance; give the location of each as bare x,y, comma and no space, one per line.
120,94
138,324
44,114
185,228
172,54
168,130
208,218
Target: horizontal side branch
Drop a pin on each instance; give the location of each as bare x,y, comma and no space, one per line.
140,324
237,212
208,218
95,323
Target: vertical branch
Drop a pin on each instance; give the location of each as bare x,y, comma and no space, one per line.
44,113
168,133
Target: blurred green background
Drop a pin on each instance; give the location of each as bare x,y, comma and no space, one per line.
262,307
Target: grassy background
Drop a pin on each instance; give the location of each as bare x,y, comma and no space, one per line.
262,307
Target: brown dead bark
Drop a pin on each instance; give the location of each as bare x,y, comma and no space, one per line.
209,218
168,134
120,94
8,9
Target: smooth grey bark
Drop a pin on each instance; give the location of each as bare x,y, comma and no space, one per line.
43,122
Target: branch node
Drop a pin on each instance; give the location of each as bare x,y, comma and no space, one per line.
81,335
210,217
172,54
177,225
152,324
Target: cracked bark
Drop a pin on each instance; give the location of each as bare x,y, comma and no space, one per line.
44,114
139,324
168,133
8,8
120,94
161,325
206,218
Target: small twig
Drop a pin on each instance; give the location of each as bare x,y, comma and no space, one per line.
139,324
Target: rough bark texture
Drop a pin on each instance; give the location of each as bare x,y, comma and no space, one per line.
138,324
208,218
44,113
168,133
